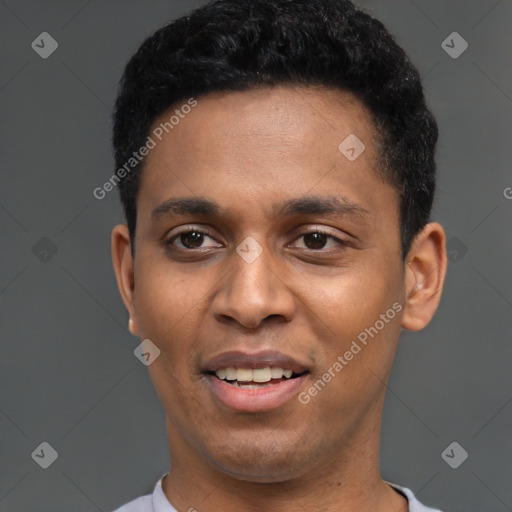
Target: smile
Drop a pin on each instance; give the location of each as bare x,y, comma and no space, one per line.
259,382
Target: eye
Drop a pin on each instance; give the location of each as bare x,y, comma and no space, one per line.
190,239
317,240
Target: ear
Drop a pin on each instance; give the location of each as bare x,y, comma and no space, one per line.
123,267
424,276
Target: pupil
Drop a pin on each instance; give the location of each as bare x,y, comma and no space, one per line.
319,240
191,238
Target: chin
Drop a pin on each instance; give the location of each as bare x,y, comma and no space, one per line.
267,461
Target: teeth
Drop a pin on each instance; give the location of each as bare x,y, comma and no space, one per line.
261,375
230,374
243,375
256,375
245,385
276,373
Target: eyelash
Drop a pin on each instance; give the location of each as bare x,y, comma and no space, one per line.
189,229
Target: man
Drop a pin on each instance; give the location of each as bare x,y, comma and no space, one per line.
276,167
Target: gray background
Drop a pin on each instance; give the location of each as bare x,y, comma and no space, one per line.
68,375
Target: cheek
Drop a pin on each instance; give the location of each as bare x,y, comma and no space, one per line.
167,298
358,310
168,308
355,365
349,301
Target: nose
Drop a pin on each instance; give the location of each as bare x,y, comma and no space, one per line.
253,291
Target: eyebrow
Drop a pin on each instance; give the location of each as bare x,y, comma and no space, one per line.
306,205
320,205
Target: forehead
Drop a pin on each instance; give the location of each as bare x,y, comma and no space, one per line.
263,145
267,118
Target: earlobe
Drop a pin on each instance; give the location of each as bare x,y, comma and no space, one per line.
124,269
424,280
132,328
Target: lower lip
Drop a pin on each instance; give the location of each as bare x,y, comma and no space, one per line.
255,400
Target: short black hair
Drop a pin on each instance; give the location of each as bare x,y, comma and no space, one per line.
236,45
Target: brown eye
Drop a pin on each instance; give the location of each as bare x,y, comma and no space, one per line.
191,239
315,240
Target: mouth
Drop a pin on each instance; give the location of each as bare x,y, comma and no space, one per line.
254,382
257,378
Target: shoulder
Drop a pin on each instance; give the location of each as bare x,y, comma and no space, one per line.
155,502
414,504
141,504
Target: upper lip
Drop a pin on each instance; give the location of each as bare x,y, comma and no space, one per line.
252,360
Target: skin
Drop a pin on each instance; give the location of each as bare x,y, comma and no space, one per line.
308,297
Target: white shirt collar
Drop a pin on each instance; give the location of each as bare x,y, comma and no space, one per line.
159,502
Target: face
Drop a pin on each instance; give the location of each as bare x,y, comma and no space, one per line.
264,250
